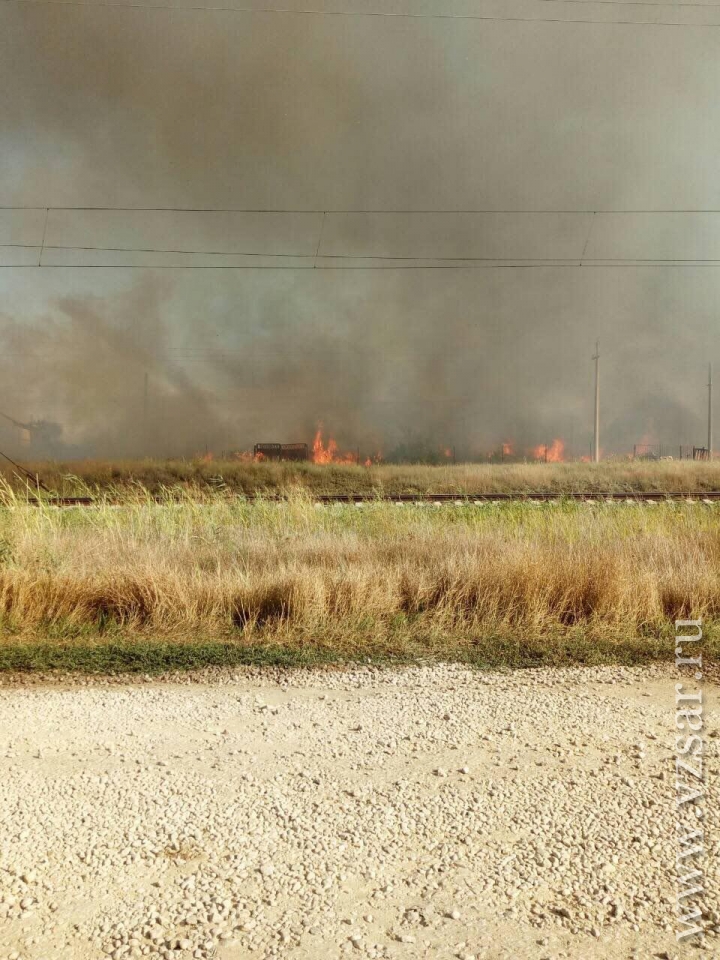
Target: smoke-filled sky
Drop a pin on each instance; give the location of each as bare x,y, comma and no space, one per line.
208,109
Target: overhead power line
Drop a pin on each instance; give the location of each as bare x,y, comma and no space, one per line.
362,13
466,265
542,261
312,255
328,211
636,3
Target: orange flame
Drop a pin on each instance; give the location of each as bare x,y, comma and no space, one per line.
207,457
555,453
507,449
329,453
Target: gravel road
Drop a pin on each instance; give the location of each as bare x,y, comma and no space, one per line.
432,812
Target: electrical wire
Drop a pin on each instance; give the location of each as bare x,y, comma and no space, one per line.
358,13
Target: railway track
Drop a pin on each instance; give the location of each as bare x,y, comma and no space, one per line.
462,499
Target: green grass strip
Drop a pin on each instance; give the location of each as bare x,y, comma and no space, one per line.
155,657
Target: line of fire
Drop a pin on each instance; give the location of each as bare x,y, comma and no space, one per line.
42,439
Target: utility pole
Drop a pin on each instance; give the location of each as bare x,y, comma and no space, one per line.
145,415
596,437
710,413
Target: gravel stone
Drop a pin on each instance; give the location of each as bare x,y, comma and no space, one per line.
269,814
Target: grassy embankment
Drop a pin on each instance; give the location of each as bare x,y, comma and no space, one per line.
158,476
148,586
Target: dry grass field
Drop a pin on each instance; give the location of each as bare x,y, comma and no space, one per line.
157,476
209,579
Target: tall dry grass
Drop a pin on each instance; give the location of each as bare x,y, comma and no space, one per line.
380,577
157,476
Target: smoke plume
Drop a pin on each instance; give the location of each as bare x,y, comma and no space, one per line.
196,109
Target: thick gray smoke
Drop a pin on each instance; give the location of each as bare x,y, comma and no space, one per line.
435,358
140,108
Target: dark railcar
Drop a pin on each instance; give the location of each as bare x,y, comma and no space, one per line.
281,451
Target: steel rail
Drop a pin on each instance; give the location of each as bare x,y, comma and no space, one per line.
463,499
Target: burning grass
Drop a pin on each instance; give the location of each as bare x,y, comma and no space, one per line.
149,585
249,477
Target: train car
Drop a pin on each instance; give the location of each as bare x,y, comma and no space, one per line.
281,451
294,451
267,451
